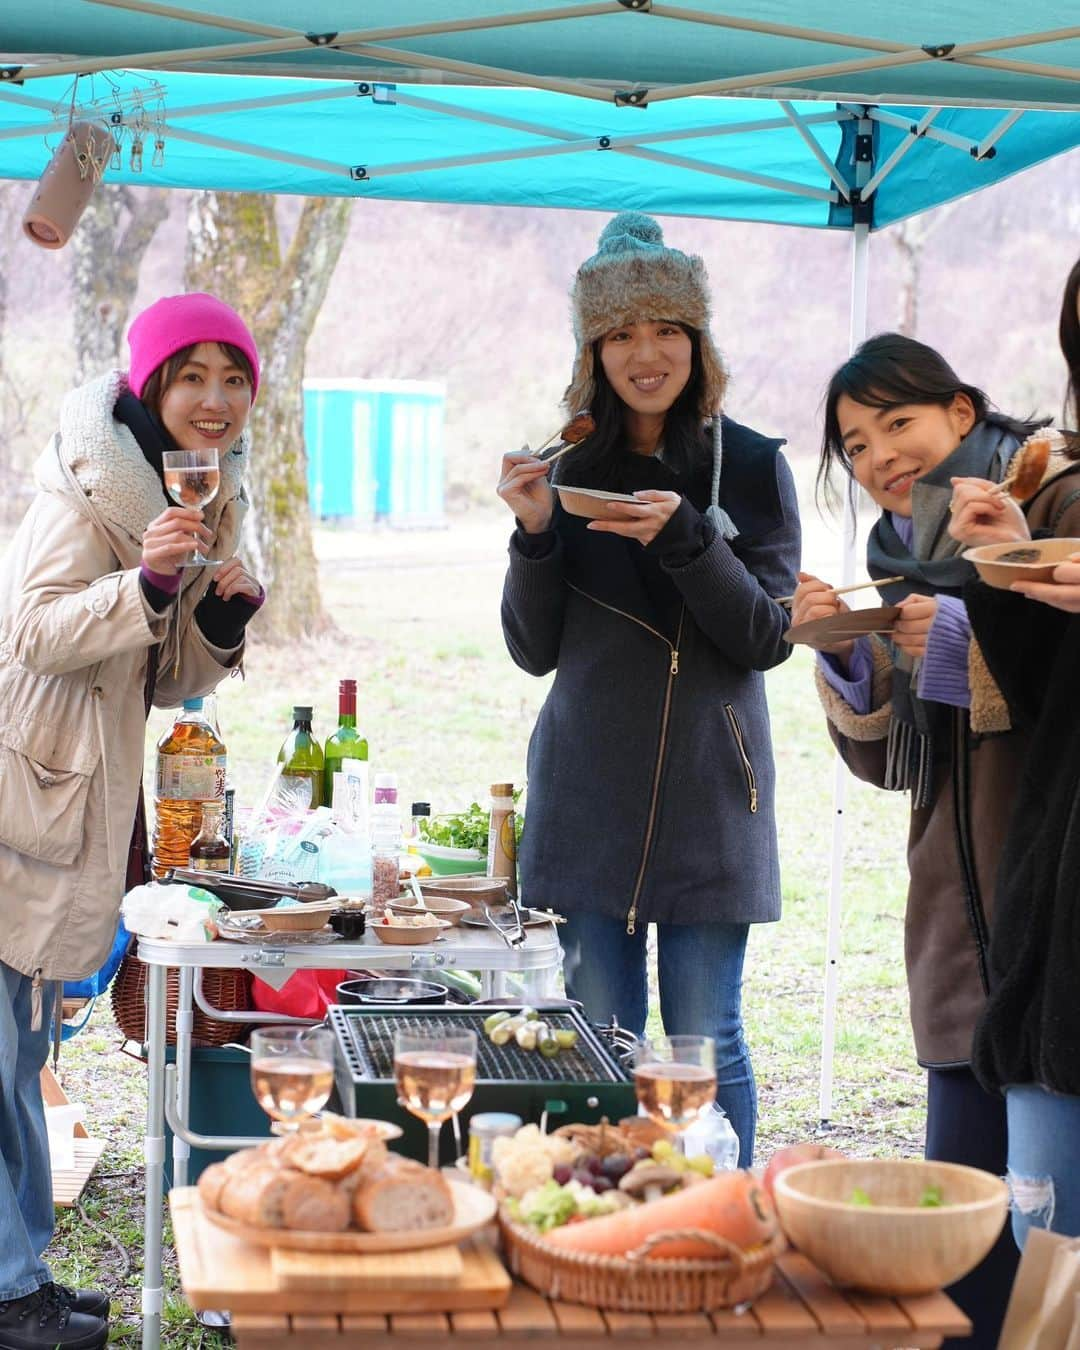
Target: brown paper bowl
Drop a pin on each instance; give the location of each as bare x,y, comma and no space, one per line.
450,910
473,890
892,1246
295,918
409,937
590,502
992,563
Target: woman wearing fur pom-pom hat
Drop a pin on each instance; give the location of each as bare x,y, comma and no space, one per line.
650,766
97,619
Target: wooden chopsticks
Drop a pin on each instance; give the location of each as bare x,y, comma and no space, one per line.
846,590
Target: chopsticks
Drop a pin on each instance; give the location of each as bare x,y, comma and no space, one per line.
846,590
559,450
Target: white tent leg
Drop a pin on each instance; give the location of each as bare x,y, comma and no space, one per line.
860,278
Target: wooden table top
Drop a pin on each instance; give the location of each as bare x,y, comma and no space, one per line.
801,1309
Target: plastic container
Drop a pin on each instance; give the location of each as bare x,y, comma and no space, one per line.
713,1134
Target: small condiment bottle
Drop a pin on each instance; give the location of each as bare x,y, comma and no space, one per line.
210,850
484,1128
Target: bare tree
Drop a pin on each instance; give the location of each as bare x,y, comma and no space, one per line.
107,251
911,237
17,400
235,251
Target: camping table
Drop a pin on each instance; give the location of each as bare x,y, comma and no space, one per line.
537,960
800,1310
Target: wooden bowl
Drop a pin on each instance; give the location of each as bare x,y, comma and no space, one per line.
450,910
409,937
1023,560
295,918
473,890
893,1245
590,502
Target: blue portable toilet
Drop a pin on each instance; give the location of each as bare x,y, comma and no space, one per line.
375,450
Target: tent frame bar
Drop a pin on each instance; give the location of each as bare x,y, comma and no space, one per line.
359,42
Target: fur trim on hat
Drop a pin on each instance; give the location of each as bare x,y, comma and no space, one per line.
634,278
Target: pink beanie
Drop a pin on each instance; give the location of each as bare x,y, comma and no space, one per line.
180,321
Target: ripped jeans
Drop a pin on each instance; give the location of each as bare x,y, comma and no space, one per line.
1044,1160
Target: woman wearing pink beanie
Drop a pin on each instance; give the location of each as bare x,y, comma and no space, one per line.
98,619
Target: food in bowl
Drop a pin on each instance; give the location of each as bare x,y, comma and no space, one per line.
440,906
421,919
590,502
1028,560
893,1245
407,930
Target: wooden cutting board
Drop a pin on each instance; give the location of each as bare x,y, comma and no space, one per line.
218,1270
438,1268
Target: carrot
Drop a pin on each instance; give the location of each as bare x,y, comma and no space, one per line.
732,1205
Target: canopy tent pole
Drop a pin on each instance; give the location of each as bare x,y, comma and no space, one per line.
860,286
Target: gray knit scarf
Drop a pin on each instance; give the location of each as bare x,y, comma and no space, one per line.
931,566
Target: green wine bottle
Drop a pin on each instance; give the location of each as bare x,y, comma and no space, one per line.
346,742
302,758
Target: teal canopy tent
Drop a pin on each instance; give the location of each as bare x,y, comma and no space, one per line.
797,112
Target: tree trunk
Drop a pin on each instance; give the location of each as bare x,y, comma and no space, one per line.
106,256
234,251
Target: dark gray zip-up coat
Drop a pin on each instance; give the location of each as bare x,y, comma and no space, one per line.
650,766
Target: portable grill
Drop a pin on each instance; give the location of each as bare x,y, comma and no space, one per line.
580,1084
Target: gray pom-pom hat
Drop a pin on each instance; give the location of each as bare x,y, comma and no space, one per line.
633,277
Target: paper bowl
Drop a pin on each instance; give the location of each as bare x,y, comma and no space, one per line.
1001,564
409,937
295,918
892,1246
590,502
473,890
450,910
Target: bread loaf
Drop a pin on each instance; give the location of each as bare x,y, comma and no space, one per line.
327,1157
211,1182
256,1194
402,1196
315,1205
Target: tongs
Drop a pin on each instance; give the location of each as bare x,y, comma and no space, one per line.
305,891
513,933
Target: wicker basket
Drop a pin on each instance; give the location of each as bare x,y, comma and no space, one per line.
634,1284
226,989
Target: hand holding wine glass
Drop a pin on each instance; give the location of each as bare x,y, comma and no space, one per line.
675,1079
292,1071
435,1072
192,479
167,539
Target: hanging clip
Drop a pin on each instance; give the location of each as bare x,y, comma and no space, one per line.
631,98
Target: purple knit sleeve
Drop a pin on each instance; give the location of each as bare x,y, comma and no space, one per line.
855,686
943,677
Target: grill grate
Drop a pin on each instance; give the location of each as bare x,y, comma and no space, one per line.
366,1038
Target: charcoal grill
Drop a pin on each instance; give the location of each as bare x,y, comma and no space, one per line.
581,1084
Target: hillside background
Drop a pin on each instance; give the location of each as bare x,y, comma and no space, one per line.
477,297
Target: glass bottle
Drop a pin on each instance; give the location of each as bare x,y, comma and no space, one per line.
190,770
344,743
502,837
210,849
301,758
385,814
411,833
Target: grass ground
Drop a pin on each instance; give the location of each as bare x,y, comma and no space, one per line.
417,626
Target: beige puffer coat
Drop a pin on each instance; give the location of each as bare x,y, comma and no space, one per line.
75,637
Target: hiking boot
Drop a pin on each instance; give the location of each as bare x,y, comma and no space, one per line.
93,1302
44,1320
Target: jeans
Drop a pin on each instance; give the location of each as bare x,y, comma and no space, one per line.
1044,1160
26,1203
965,1124
700,967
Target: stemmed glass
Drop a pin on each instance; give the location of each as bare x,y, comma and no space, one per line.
292,1072
192,478
435,1072
675,1080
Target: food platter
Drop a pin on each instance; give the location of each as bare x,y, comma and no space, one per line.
473,1208
844,627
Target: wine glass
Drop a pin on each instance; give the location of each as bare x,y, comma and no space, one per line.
675,1080
192,478
435,1072
292,1072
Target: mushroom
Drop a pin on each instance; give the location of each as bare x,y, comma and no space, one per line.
649,1180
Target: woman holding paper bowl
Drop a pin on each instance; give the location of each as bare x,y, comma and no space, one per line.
650,765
